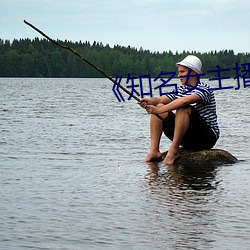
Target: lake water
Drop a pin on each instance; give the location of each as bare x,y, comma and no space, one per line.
72,176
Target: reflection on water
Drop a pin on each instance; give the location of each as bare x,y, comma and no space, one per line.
184,195
189,177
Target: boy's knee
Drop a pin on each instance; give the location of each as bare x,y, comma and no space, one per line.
159,105
184,110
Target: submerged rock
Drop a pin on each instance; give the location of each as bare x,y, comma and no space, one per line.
204,157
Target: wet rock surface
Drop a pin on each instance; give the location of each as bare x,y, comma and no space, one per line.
204,157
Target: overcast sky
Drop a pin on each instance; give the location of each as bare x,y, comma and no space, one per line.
157,25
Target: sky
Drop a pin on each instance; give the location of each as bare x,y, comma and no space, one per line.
155,25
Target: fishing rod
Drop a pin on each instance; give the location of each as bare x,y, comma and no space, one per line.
86,60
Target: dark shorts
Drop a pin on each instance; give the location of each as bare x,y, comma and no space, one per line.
199,135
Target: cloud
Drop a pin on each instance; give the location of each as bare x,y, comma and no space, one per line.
84,6
149,2
221,2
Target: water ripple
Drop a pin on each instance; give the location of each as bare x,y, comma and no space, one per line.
72,175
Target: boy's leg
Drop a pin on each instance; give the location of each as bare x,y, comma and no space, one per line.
181,126
156,127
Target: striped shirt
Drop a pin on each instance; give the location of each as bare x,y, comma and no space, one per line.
206,108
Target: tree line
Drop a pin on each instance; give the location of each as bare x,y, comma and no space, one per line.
41,58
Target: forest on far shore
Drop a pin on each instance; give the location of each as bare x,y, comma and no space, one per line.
41,58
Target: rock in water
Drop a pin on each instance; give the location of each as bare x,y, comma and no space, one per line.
204,157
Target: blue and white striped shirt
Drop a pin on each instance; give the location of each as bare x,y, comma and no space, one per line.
206,108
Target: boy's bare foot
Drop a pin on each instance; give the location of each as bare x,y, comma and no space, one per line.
170,157
153,156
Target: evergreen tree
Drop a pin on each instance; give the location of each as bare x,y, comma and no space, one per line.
41,58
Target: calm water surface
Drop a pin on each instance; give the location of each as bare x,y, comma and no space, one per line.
72,176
